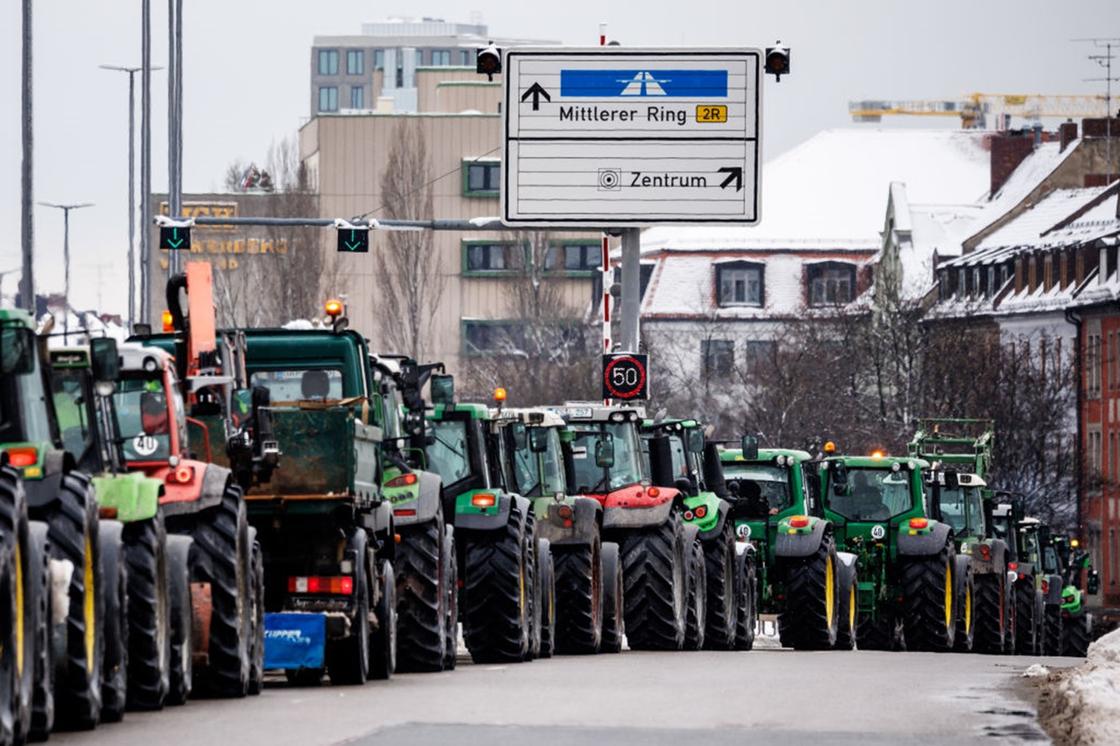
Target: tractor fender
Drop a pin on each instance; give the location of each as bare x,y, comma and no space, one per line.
714,531
586,517
426,502
962,568
997,561
691,534
1053,590
492,519
921,545
846,568
211,487
745,548
620,517
802,544
378,520
42,492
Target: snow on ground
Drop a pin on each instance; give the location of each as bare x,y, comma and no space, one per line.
1082,705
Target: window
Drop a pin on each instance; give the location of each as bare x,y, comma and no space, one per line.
489,256
379,59
328,62
718,356
740,284
419,57
448,453
491,337
1093,366
328,98
573,257
357,97
759,352
465,57
355,61
441,57
833,283
481,178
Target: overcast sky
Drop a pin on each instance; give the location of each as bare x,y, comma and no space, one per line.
246,82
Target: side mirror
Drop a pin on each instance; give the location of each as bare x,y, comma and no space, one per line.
520,436
749,446
952,480
604,454
1093,583
538,439
695,441
17,350
839,478
443,389
684,486
105,363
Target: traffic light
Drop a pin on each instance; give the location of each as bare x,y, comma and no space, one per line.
488,61
777,61
174,235
352,239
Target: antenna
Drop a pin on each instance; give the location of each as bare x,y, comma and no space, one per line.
1104,60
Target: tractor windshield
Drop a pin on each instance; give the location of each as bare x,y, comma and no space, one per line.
70,404
771,481
449,454
144,419
540,474
323,384
593,474
18,421
873,495
962,509
1050,561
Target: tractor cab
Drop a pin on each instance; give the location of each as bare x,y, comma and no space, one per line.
768,484
678,454
540,462
874,499
83,379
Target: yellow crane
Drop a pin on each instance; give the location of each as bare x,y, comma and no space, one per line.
975,108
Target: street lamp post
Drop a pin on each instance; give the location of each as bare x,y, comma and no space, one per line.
66,253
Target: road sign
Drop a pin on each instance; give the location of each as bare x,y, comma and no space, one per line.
625,376
174,238
353,240
611,137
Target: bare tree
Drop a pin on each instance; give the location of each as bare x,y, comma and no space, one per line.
412,280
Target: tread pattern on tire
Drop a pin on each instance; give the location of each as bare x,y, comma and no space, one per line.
114,584
613,601
579,598
182,620
16,546
256,655
697,618
421,598
803,623
653,560
497,594
1076,635
42,694
1026,625
990,618
722,573
746,616
1052,630
149,617
923,582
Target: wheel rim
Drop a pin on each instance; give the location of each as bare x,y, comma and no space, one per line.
19,610
89,604
948,597
968,610
829,592
852,608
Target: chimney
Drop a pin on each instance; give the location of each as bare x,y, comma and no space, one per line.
1009,149
1067,133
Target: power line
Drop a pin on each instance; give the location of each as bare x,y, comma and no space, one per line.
427,184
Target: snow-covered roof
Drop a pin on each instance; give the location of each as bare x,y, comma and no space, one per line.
828,192
1028,228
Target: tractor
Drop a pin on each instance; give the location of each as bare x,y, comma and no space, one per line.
1073,564
961,453
680,457
507,592
1023,562
662,560
587,568
1040,568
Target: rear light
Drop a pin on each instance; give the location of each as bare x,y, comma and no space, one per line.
107,511
653,492
689,515
564,511
1045,586
404,480
23,456
1012,565
701,511
334,585
404,512
483,500
181,475
985,552
799,521
919,523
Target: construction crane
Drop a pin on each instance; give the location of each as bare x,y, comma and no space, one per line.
975,108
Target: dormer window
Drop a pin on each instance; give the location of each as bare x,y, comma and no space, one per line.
740,284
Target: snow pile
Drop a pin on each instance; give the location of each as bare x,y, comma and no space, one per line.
1082,705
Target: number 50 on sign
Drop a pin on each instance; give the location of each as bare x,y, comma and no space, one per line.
626,376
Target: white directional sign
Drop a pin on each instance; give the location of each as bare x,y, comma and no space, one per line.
612,137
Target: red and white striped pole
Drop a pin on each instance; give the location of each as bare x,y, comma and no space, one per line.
605,259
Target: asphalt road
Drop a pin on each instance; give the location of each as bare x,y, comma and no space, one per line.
631,699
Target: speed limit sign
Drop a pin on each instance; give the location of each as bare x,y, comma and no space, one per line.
625,376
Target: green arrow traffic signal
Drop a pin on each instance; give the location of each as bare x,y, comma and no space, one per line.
353,240
174,238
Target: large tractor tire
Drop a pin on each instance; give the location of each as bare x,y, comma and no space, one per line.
74,537
546,621
497,593
811,617
19,602
149,611
696,621
348,658
877,634
256,650
221,556
1077,633
991,613
612,599
451,624
579,598
847,632
723,580
181,670
42,668
422,596
1010,638
1028,626
964,596
655,586
1052,626
929,609
383,640
114,586
746,609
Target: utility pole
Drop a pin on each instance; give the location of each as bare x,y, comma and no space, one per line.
27,214
174,115
145,157
1105,61
66,253
131,183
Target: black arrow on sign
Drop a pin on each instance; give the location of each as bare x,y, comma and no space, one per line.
537,93
734,173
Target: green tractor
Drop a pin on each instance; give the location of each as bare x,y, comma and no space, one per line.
961,453
508,591
588,569
662,560
768,485
1039,567
47,669
1079,577
1024,564
680,457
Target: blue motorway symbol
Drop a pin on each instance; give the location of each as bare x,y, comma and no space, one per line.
669,83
